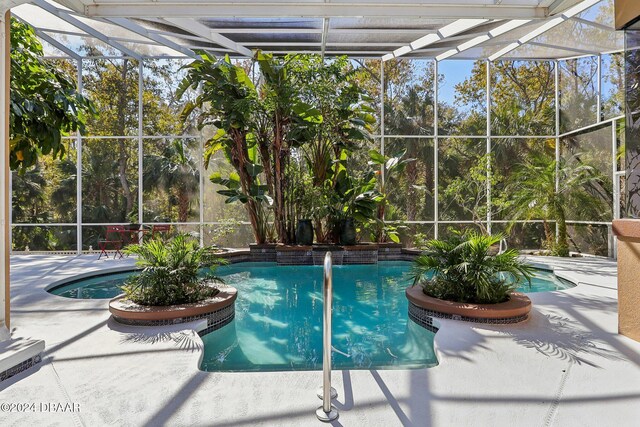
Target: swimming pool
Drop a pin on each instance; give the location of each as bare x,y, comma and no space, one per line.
103,286
279,316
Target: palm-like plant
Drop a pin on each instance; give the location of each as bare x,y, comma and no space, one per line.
463,269
175,172
171,272
534,194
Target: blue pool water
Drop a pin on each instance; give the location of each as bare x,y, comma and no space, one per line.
94,287
278,324
279,317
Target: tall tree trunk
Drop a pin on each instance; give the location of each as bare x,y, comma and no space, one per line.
428,179
122,176
411,181
278,158
239,158
548,236
183,205
562,245
122,149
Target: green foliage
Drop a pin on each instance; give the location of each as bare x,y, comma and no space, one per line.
302,109
536,194
173,171
469,192
44,105
463,269
228,101
390,166
420,241
170,272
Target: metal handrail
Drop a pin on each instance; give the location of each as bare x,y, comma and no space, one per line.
327,412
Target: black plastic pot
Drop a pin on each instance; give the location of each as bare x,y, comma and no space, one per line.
304,232
347,232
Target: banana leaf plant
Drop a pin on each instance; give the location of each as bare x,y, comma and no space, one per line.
285,125
353,197
228,101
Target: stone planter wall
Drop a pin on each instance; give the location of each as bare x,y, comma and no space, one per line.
263,253
294,255
422,308
218,310
367,253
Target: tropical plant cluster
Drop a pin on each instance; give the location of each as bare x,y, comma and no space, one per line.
291,137
465,268
174,271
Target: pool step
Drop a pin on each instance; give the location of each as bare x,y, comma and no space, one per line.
19,354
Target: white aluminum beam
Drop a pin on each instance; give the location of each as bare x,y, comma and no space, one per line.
283,9
325,33
546,26
66,16
484,39
201,30
449,30
559,6
139,29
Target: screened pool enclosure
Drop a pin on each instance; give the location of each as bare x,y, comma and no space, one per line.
468,98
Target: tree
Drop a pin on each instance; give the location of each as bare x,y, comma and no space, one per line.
113,85
173,171
535,195
409,110
45,104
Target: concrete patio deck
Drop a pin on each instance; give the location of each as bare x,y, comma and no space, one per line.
565,366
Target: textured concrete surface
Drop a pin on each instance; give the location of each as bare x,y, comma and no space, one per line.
565,366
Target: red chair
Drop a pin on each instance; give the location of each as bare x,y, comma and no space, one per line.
160,229
112,240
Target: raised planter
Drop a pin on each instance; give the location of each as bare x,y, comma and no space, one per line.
423,307
362,253
218,310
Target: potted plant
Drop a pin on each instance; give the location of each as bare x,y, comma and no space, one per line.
462,269
171,286
354,201
460,277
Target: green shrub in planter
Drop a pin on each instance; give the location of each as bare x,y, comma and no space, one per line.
463,268
172,272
